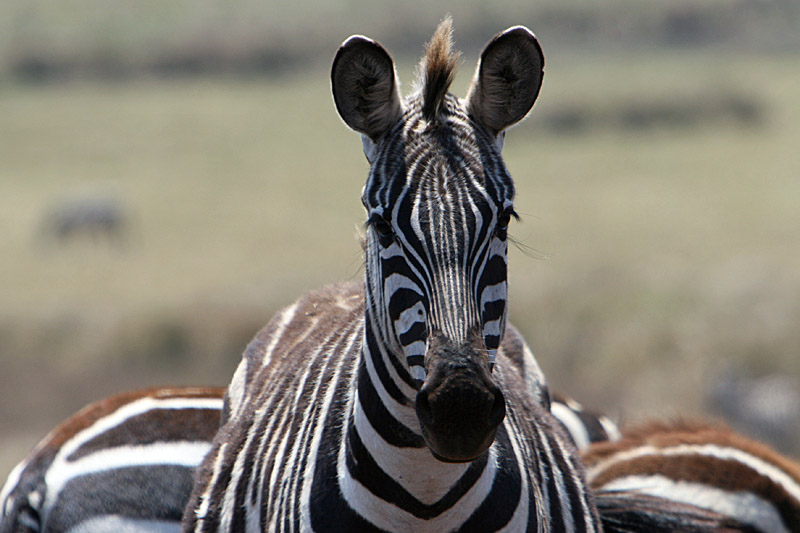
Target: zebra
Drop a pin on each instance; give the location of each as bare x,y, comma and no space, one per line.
406,402
91,218
122,464
693,476
583,427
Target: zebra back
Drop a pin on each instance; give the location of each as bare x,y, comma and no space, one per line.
124,463
694,474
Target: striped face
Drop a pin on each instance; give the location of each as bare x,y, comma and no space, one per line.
439,201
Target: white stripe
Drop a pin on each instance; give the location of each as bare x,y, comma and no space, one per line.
762,467
519,519
316,439
236,390
612,431
121,524
431,480
492,293
205,499
181,453
494,327
573,424
409,317
10,485
401,412
127,412
286,317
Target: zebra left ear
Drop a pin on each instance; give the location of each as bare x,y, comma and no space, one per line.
364,87
507,79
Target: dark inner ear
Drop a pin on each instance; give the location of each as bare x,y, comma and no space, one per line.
364,87
508,79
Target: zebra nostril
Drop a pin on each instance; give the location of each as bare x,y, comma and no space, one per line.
424,411
498,411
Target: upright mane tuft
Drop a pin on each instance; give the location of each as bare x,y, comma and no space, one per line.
437,69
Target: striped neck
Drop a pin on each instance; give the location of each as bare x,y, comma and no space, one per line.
385,456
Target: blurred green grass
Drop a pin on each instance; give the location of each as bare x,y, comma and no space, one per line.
650,259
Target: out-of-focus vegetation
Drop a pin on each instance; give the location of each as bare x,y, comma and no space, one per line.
658,180
41,39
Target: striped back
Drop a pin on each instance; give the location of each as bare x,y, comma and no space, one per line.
124,463
690,476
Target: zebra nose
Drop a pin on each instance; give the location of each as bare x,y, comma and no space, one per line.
459,416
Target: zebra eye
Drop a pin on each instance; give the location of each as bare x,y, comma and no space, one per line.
503,220
381,226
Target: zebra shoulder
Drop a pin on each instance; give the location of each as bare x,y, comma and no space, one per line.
308,319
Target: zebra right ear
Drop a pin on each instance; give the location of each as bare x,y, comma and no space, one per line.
364,86
507,79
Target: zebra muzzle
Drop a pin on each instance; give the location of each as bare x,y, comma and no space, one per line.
459,406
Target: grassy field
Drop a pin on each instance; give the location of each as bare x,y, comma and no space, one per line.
653,256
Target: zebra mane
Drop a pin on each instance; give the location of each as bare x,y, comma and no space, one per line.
437,69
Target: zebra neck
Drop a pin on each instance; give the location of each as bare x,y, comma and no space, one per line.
385,455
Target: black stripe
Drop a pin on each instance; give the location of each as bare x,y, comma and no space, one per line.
329,511
492,341
493,310
157,492
501,502
414,333
373,351
387,426
402,298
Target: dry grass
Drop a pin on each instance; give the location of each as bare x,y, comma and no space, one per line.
671,252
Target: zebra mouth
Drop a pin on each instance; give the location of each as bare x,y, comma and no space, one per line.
457,454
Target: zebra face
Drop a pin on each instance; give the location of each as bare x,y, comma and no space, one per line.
439,200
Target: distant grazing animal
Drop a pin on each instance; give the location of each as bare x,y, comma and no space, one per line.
95,219
693,476
405,404
122,464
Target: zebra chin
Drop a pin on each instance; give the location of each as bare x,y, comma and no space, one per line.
459,406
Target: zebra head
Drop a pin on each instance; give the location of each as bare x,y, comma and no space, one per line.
439,200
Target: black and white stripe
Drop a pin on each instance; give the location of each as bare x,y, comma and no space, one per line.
122,464
409,405
584,427
693,476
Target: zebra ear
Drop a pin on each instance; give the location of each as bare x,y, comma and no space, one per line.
507,79
364,86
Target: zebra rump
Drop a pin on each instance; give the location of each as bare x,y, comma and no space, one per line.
693,476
